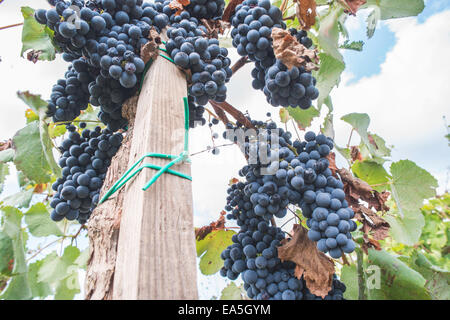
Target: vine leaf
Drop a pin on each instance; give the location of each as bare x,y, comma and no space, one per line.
315,267
354,45
396,279
38,289
371,172
18,288
349,276
39,223
37,37
391,9
231,292
61,272
411,185
6,253
178,5
354,5
438,280
291,52
306,13
328,34
328,76
4,171
201,233
30,156
210,248
6,155
20,199
372,21
303,118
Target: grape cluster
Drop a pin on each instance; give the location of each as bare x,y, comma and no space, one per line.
293,87
275,177
105,38
206,9
71,94
254,254
195,113
208,62
301,36
252,29
84,162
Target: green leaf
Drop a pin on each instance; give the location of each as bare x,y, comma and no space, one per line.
411,185
39,222
354,45
379,146
38,289
55,268
33,101
18,288
55,131
30,157
6,253
68,287
359,122
4,171
210,248
349,276
438,280
371,172
6,155
82,259
372,21
390,9
328,34
36,36
20,199
303,118
231,292
397,279
47,146
328,77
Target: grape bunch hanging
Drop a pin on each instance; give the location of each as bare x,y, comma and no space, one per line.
278,175
102,41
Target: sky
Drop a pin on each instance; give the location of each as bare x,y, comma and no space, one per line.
401,80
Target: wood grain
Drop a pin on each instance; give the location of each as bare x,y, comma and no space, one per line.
156,256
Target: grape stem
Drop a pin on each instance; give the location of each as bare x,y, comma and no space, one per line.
222,145
361,288
289,18
239,64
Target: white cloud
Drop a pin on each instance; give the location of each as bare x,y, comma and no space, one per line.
408,98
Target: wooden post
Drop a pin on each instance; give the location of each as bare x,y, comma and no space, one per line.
156,256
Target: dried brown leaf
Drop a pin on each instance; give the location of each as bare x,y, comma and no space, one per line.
178,5
354,5
6,144
373,224
149,51
293,53
315,267
332,160
201,233
355,154
306,13
33,55
214,27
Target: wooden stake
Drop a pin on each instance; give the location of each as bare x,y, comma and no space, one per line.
156,256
